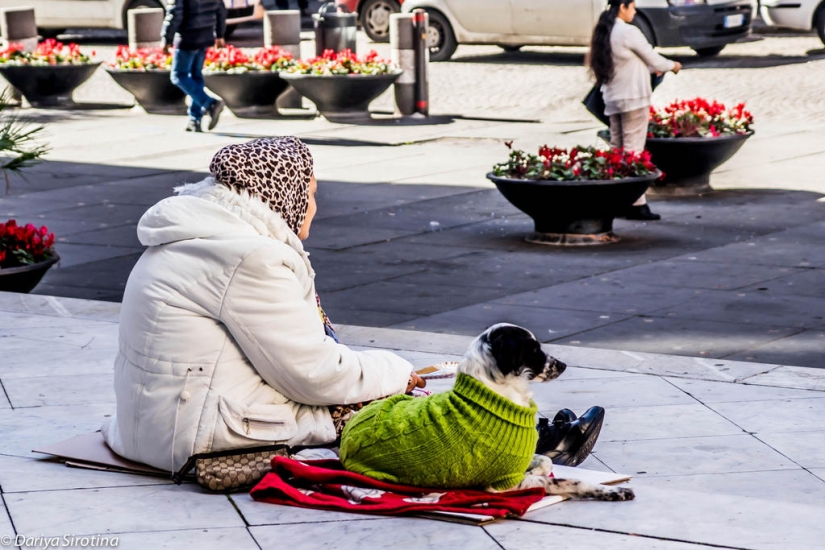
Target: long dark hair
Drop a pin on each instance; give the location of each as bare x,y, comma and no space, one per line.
600,57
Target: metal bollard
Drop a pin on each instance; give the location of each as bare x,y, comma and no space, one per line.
335,28
283,29
144,27
403,56
422,62
18,25
408,39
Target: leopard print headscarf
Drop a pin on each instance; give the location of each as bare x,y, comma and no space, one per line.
276,170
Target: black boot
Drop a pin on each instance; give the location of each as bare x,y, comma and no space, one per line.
569,440
642,212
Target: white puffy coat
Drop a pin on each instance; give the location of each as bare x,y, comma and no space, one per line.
221,343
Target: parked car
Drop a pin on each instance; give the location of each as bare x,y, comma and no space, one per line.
704,25
54,17
799,14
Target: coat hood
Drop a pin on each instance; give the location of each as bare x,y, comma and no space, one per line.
207,209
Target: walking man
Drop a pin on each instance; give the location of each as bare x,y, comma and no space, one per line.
193,26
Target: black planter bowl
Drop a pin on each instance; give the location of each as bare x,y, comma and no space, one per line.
48,85
248,95
152,90
25,278
688,162
341,97
573,213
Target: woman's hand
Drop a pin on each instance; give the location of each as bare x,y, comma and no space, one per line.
676,67
415,382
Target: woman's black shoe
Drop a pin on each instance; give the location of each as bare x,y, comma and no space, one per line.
569,440
642,213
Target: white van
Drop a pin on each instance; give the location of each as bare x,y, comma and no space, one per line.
55,16
704,25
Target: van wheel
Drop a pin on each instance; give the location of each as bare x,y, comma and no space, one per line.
708,52
134,4
440,37
819,22
50,33
375,18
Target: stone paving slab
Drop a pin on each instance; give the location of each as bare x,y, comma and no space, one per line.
545,323
120,509
810,282
802,485
237,538
681,336
714,519
723,453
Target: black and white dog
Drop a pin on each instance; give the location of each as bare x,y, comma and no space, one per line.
506,359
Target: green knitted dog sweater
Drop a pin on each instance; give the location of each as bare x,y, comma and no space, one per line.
468,437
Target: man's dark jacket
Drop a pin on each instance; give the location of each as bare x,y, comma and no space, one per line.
197,23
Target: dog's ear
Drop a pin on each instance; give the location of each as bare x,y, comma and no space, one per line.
515,349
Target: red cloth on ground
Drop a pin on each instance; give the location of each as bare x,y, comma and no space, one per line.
325,485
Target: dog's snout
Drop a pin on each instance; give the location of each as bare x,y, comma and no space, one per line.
557,365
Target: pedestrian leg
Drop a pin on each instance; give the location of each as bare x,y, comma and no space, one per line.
634,129
634,136
184,64
616,131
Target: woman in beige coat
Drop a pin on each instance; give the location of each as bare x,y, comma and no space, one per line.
622,60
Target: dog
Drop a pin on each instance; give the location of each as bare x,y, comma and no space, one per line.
450,440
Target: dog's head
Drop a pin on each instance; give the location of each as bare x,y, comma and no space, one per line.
513,351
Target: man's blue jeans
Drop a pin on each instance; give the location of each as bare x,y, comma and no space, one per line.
187,74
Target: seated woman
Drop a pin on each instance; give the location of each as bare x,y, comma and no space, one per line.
223,344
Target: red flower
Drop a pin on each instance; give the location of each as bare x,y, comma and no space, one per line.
698,117
23,245
49,51
577,163
345,62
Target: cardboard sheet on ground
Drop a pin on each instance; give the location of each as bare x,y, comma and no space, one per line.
91,452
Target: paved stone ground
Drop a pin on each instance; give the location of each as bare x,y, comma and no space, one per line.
411,235
724,454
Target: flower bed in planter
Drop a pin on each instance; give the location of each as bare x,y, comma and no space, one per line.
573,195
342,85
249,85
48,75
145,73
689,139
26,254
